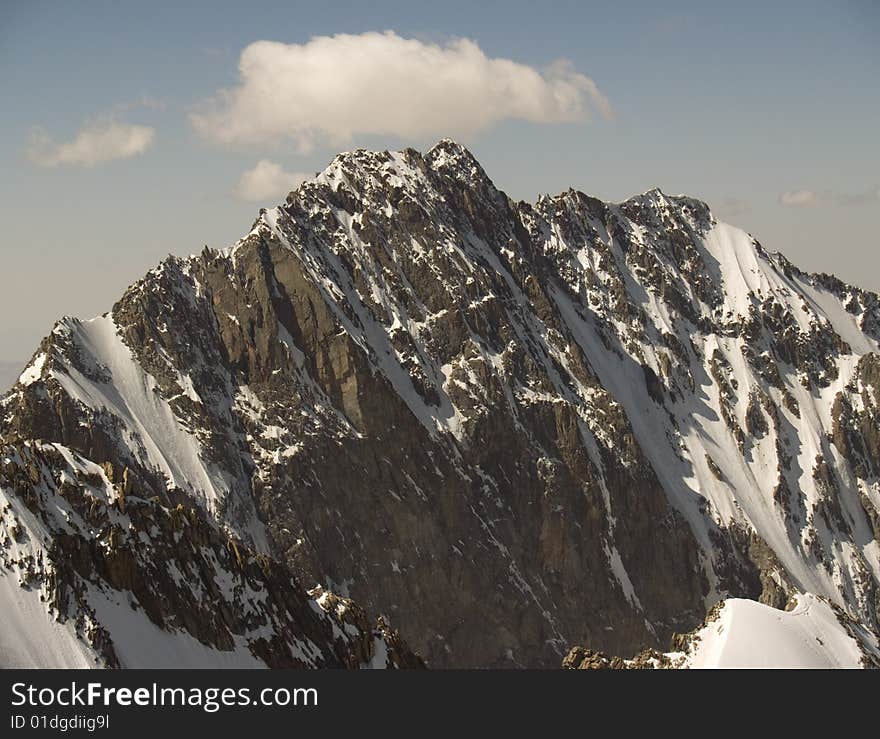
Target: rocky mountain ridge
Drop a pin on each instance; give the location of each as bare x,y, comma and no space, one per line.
508,428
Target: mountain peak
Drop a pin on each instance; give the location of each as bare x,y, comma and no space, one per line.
450,147
450,157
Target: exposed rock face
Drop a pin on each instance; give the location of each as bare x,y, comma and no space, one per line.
507,428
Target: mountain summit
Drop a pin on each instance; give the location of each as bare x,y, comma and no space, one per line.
404,399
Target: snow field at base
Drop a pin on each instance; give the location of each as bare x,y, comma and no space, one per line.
747,634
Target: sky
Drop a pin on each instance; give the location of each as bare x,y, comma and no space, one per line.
132,130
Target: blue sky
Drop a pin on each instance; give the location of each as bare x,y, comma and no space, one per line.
735,103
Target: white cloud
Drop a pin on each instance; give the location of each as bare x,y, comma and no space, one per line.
799,198
94,143
869,196
333,87
267,180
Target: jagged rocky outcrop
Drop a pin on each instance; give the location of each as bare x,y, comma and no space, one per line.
506,428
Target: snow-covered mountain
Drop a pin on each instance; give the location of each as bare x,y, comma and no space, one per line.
505,428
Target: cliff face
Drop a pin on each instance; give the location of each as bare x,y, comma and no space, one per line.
507,428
